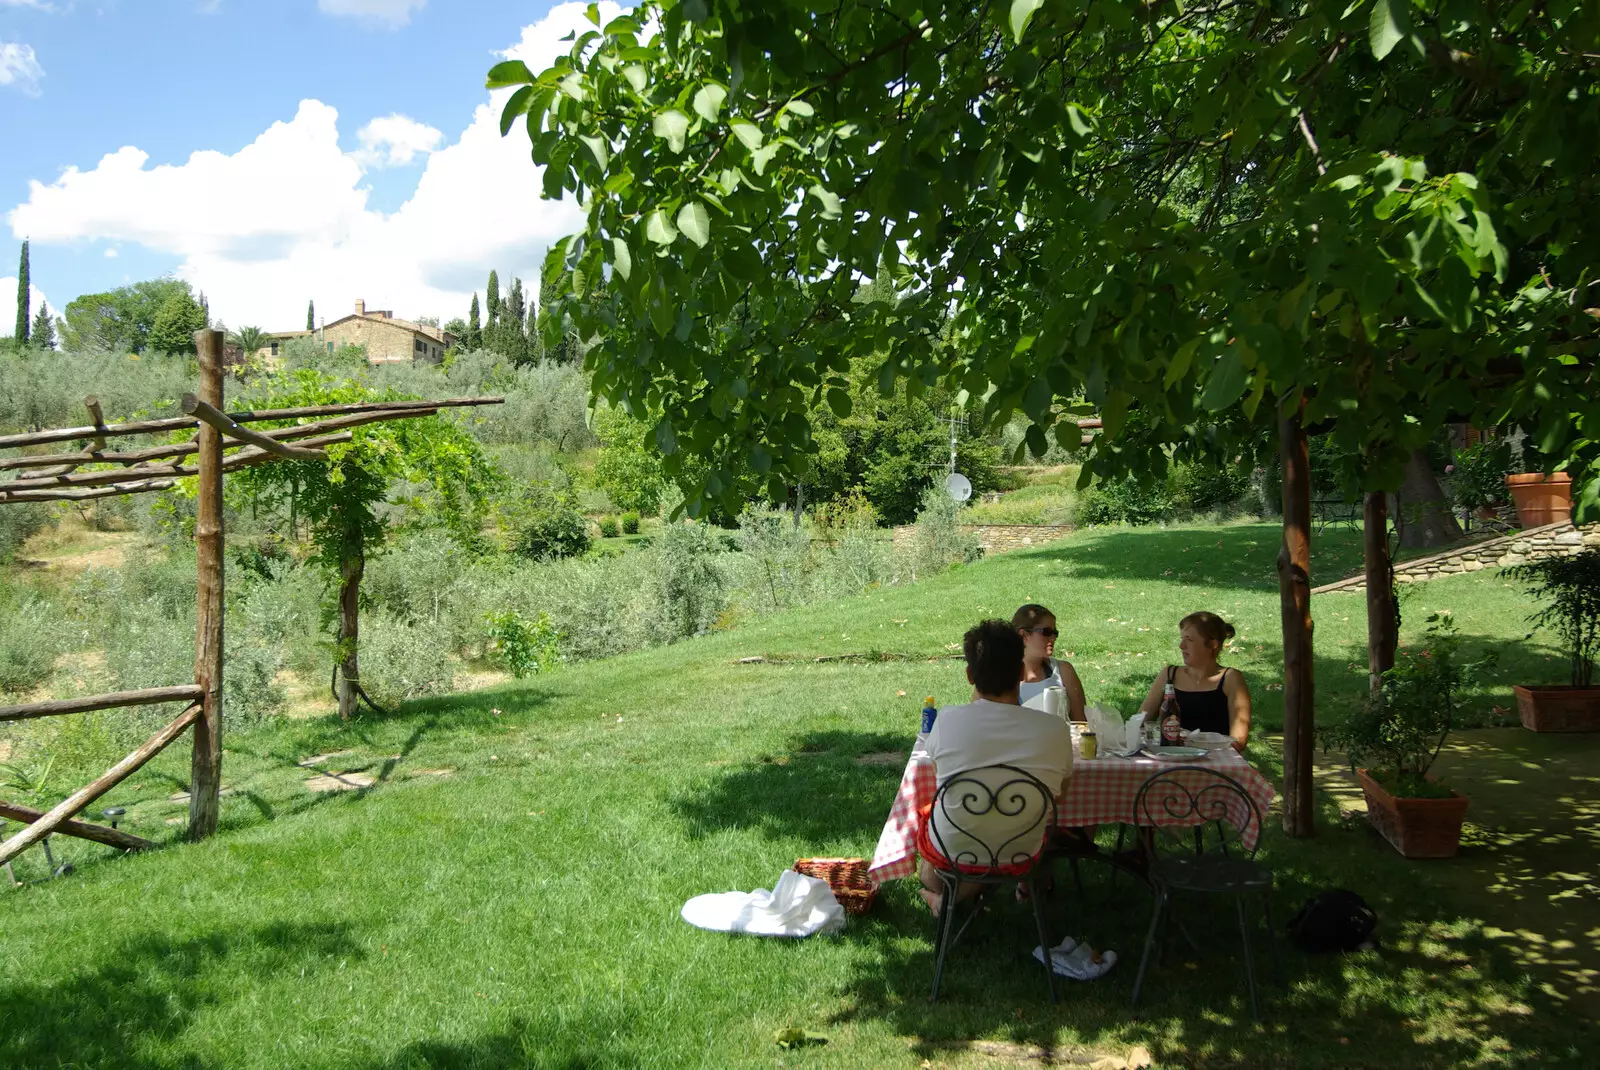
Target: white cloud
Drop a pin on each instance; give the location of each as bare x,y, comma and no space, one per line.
389,12
19,67
8,295
286,218
111,253
37,5
394,141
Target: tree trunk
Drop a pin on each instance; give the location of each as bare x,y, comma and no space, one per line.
1383,625
350,571
1294,593
1422,513
205,768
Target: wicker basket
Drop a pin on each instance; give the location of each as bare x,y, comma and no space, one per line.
848,878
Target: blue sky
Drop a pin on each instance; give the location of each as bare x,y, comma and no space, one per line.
346,149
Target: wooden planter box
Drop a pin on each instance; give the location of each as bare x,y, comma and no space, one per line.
1541,499
1559,709
1417,828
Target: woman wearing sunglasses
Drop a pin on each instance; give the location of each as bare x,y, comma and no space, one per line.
1040,669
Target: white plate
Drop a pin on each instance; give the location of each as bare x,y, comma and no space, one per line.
1177,754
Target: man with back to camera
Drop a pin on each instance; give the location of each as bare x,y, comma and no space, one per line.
992,729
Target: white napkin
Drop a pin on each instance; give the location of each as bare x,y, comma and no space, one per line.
1133,732
1075,959
797,906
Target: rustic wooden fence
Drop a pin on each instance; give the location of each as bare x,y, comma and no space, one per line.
54,477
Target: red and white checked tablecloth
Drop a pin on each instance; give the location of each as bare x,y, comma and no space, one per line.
1100,792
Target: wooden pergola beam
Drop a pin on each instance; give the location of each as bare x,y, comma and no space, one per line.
248,455
233,429
149,696
183,449
75,802
177,423
83,830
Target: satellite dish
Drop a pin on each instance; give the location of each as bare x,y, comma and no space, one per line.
958,486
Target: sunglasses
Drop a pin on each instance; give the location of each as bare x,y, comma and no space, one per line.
1048,633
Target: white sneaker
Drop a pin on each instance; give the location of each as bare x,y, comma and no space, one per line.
1074,959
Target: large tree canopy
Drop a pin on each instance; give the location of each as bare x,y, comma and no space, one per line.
1383,207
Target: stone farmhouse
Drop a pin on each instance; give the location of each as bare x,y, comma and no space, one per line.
387,339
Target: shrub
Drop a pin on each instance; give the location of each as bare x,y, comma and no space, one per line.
1204,488
1478,476
551,531
523,647
401,661
1124,501
608,527
28,645
19,521
689,578
1569,587
774,557
1399,733
940,542
630,523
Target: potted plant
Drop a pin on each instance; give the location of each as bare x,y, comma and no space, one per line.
1477,477
1541,499
1395,739
1569,588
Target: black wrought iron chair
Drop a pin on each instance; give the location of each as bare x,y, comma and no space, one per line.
1180,804
1029,808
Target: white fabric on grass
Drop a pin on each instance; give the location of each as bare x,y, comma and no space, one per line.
796,906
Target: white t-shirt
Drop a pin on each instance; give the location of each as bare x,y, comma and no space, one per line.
1028,691
984,733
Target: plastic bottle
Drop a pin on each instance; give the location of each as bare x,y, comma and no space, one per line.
929,712
1171,723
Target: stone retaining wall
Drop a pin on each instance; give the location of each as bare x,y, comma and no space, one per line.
998,538
1518,547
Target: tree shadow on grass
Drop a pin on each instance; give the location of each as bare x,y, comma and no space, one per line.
563,1040
103,1016
825,787
1442,991
1243,556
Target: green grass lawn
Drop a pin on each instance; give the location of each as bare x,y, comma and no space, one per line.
506,894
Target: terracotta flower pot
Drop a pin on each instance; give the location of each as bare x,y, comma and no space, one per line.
1541,499
1417,828
1559,709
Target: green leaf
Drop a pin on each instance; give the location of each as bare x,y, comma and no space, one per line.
1079,121
659,229
695,222
1388,25
592,13
637,76
511,72
800,108
1180,363
708,101
1021,14
621,258
516,106
1226,381
666,438
673,125
598,146
763,156
831,208
839,401
748,133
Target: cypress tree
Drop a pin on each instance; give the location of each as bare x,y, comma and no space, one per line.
474,339
23,298
311,315
492,302
44,328
514,337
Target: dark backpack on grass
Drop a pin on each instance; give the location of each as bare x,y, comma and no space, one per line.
1335,920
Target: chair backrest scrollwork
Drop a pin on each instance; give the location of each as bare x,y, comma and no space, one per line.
1179,802
990,817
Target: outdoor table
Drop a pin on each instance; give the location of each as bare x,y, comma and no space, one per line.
1100,791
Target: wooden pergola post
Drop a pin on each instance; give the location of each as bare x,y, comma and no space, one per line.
205,777
1294,591
1382,633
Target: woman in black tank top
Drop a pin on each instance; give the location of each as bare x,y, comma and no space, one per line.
1211,698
